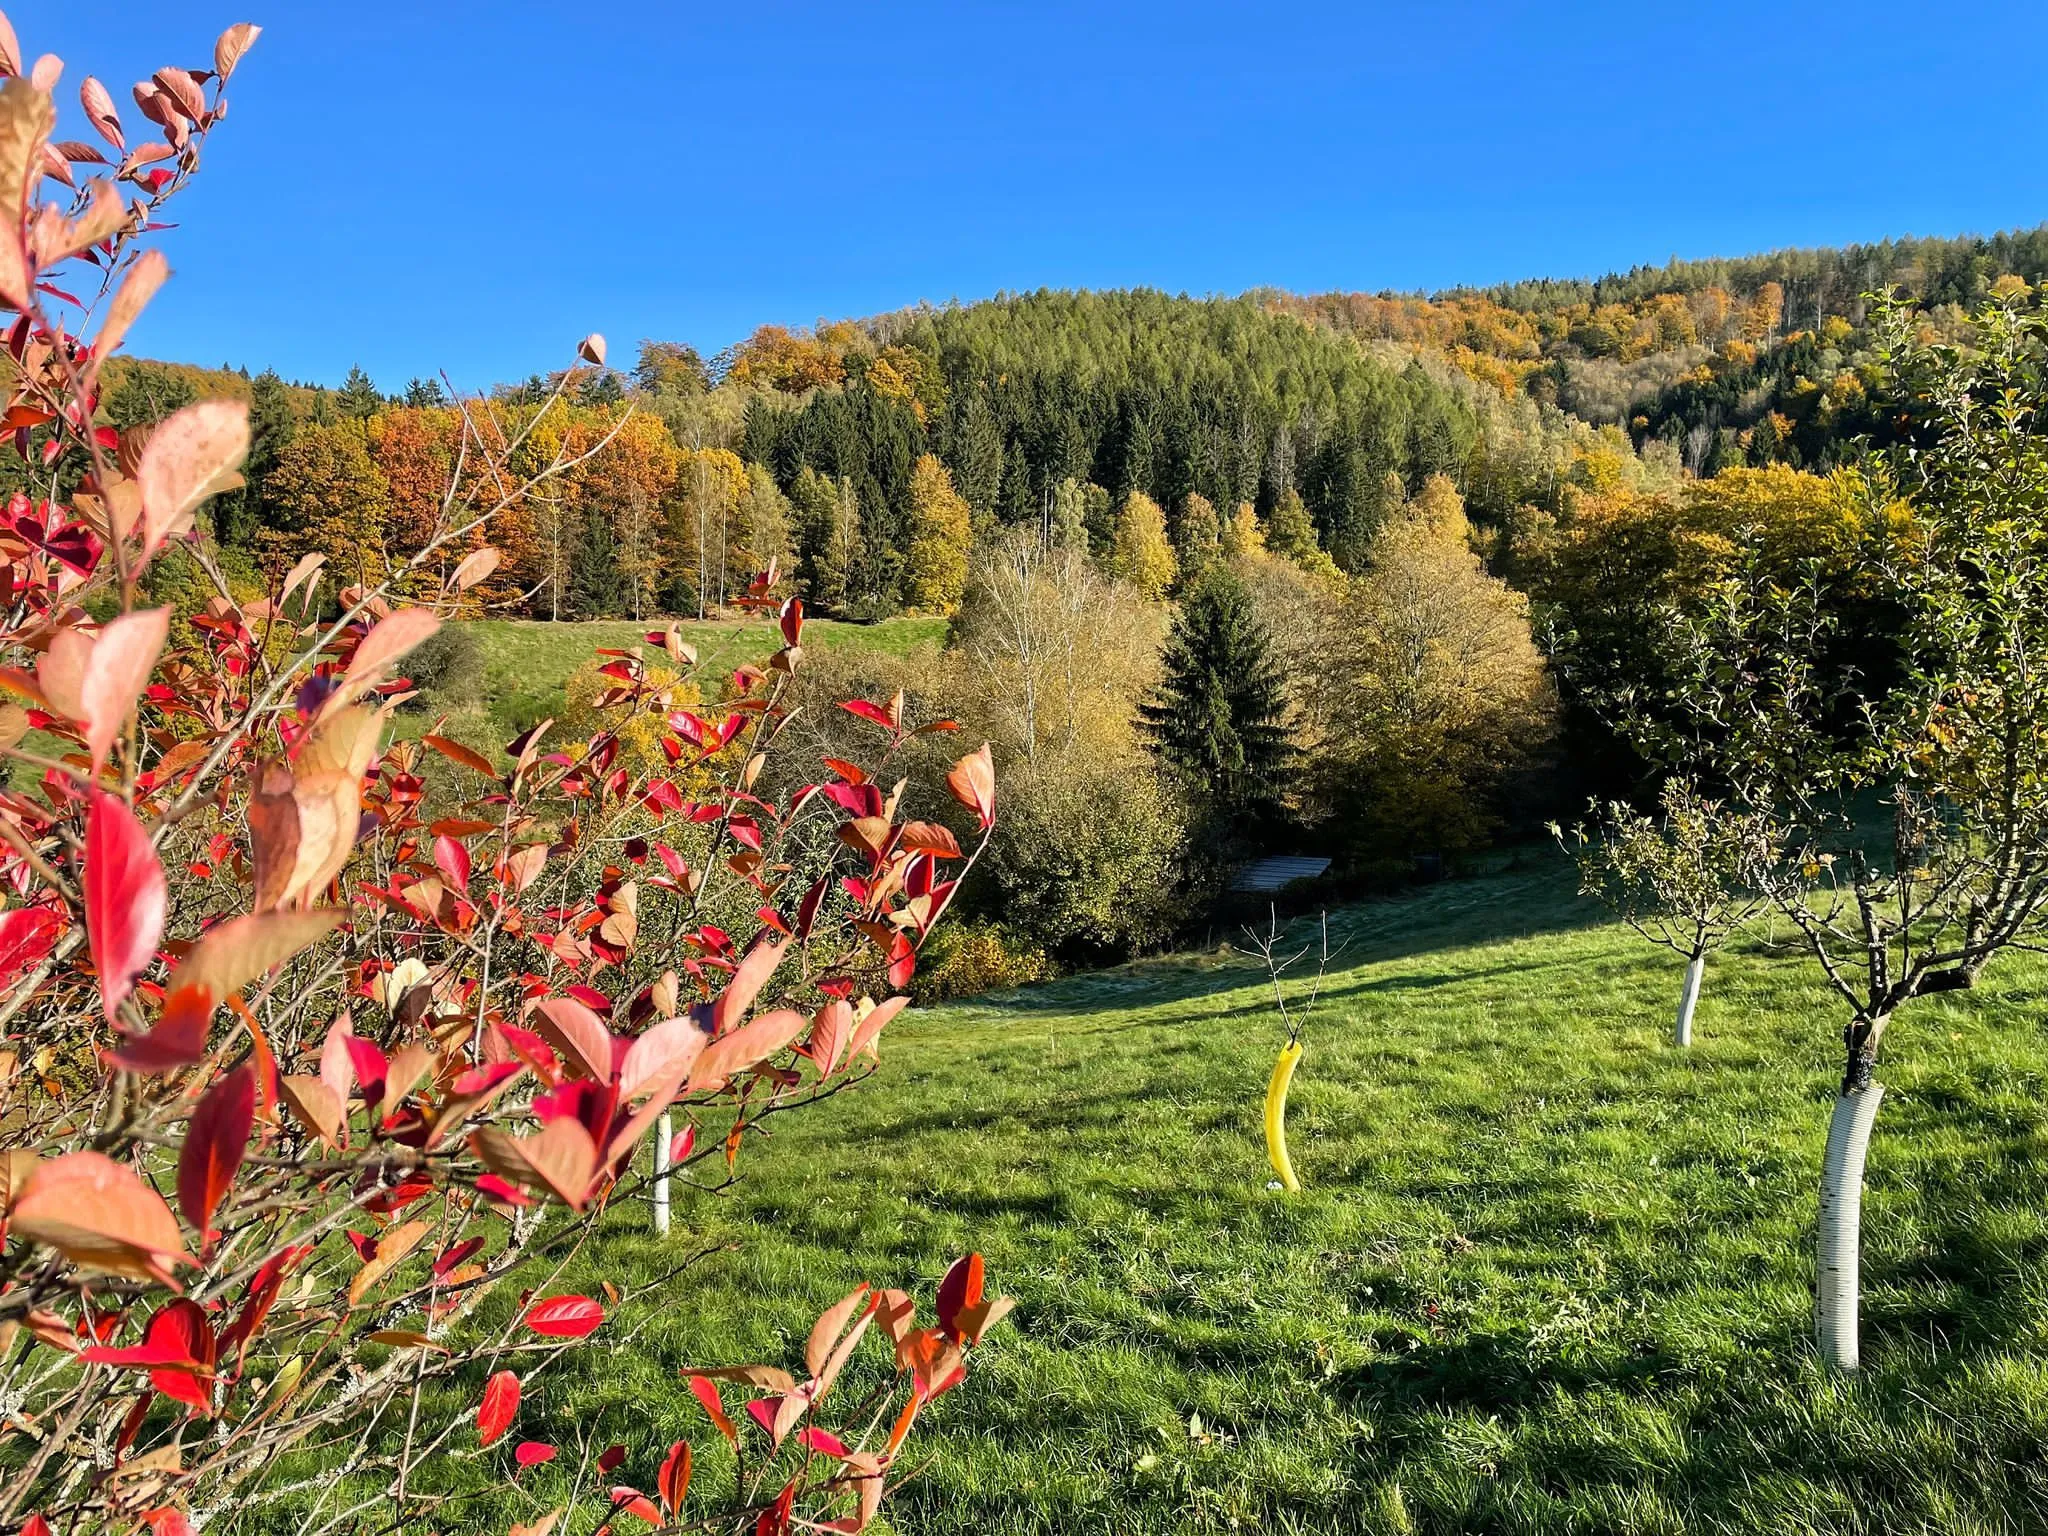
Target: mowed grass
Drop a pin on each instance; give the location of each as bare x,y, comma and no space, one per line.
1548,1273
528,662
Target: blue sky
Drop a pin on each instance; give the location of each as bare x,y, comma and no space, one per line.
470,186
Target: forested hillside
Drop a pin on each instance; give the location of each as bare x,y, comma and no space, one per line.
1221,575
1758,360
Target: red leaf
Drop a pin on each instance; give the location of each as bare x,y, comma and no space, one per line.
578,1034
452,859
706,1391
565,1317
533,1453
453,1258
264,1287
631,1501
823,1443
867,711
215,1143
501,1402
672,1482
26,936
792,621
126,897
610,1459
960,1289
182,1325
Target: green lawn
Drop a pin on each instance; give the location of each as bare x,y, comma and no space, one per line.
527,661
1548,1273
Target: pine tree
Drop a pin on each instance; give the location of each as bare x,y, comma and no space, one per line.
1139,552
935,565
424,394
238,515
815,503
598,579
359,397
1219,716
1098,516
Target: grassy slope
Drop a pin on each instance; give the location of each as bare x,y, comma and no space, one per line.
1548,1273
528,661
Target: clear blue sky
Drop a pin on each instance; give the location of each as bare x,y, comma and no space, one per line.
471,186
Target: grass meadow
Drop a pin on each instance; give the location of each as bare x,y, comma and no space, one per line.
1548,1274
528,662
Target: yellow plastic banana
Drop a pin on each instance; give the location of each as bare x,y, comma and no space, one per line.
1276,1114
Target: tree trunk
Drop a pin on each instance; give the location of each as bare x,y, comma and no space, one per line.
1688,998
661,1143
1837,1298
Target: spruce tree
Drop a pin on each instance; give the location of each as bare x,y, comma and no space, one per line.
1197,535
359,397
1219,715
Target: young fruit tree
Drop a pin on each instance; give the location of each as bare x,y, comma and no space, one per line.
1954,532
1676,878
326,1052
1266,949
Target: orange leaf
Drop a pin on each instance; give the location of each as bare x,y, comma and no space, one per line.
382,647
318,1107
124,653
475,566
100,1215
869,1028
232,44
192,455
456,752
392,1247
660,1058
236,952
560,1160
973,783
747,981
745,1047
134,294
577,1033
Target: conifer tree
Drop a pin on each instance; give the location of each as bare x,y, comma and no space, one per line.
1219,716
1069,520
359,397
1139,552
1198,535
935,565
821,547
1291,534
